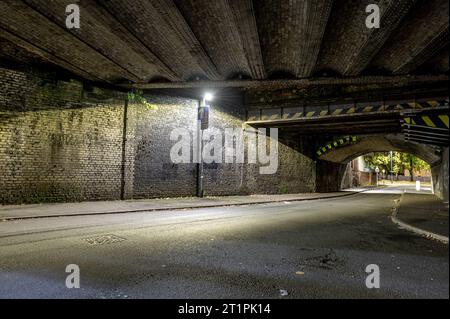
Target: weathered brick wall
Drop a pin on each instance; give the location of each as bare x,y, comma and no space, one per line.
440,177
148,148
62,141
151,171
296,174
224,179
354,178
55,144
329,176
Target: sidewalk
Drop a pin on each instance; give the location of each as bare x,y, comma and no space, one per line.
11,212
424,212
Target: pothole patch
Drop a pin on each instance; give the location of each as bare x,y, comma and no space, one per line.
103,240
324,260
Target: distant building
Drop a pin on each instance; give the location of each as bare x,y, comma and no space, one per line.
358,174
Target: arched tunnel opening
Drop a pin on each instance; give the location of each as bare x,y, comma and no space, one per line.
332,132
339,164
387,168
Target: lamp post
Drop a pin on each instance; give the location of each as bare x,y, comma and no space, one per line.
392,172
202,124
377,170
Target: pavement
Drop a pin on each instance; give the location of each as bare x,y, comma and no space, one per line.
10,212
303,249
404,187
419,211
425,212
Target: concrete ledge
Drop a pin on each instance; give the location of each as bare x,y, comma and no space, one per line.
416,230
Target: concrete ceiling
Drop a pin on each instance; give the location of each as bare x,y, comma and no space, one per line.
160,43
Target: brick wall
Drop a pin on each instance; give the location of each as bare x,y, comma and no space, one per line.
330,176
296,174
440,177
355,178
154,175
61,140
151,171
55,144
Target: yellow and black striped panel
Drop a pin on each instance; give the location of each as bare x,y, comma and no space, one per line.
316,110
425,104
288,116
398,106
431,120
292,113
271,114
341,109
368,107
253,115
311,111
337,111
336,143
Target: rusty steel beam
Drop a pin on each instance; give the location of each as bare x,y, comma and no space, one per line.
297,83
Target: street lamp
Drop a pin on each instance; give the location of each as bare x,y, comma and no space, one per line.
208,97
202,124
377,170
392,173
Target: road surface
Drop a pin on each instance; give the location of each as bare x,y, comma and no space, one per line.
311,249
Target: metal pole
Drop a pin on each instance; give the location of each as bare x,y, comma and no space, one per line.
392,176
377,170
124,144
199,152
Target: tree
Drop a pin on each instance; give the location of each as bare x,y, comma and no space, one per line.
413,163
400,162
380,160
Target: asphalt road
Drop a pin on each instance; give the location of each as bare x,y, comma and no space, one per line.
312,249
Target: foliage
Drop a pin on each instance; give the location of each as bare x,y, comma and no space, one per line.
137,96
400,162
413,163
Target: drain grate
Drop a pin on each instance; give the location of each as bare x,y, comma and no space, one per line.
103,240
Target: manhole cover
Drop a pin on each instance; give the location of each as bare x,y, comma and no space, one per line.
103,240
